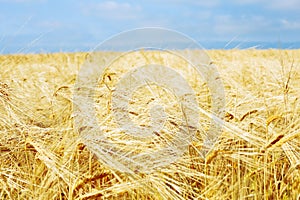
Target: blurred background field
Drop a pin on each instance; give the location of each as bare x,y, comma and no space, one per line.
256,157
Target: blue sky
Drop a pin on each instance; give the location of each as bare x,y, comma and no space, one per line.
74,25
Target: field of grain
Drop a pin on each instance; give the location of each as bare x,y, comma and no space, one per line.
257,155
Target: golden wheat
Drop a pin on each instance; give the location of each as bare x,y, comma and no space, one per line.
256,157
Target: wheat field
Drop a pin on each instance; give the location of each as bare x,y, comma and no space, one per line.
257,155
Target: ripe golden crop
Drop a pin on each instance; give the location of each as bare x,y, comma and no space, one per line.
257,155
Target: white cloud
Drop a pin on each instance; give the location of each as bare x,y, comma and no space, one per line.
230,26
290,25
50,25
285,5
211,3
226,24
23,1
271,4
244,2
112,10
113,6
207,4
